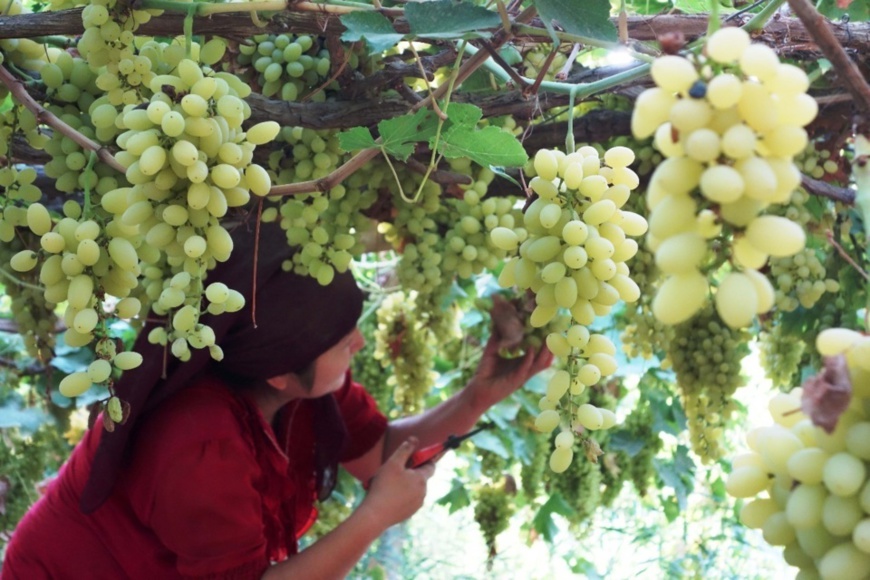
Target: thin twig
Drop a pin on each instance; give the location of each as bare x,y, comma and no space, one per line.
818,28
256,261
500,61
830,235
20,94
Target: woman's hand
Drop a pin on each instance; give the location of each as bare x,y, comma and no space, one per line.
496,377
397,492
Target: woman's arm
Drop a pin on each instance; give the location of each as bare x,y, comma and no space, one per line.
396,494
496,378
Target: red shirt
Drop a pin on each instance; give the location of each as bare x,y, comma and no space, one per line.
211,491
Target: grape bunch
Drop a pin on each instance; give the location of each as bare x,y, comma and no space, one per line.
819,162
405,341
288,65
573,245
706,355
366,369
806,487
729,124
33,315
493,509
781,354
800,280
326,226
109,29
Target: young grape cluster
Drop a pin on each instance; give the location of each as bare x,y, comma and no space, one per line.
729,125
806,488
706,354
781,354
493,509
287,65
800,280
573,245
326,226
405,340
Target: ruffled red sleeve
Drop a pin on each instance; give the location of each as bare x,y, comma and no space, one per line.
365,423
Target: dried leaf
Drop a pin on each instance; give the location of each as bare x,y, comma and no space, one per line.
125,406
592,449
510,484
108,424
508,327
826,395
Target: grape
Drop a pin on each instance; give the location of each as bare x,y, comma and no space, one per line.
560,459
843,474
804,508
126,361
74,384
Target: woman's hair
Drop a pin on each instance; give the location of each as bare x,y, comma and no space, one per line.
296,320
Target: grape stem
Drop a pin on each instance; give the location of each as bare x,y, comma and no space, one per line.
19,282
819,29
760,20
845,255
20,94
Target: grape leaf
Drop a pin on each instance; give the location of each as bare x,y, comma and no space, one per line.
622,440
487,146
374,28
827,395
463,114
582,17
445,19
489,441
457,498
356,138
678,474
543,521
399,134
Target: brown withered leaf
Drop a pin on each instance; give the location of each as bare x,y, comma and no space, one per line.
592,449
510,484
108,424
508,327
826,395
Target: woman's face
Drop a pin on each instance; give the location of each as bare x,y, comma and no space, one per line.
331,366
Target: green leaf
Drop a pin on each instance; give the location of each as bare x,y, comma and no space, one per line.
489,441
457,498
487,146
399,134
543,521
445,19
356,139
374,28
678,474
463,114
582,17
621,440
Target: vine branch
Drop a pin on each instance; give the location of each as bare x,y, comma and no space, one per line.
20,94
824,189
819,30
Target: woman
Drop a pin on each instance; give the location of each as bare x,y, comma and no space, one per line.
217,470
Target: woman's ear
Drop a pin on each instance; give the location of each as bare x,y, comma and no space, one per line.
279,383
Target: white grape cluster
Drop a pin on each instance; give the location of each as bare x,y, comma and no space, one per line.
573,246
413,231
800,280
288,65
729,125
469,221
23,52
75,262
810,489
326,226
188,160
18,192
109,29
404,339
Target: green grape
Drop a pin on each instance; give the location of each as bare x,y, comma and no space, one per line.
492,512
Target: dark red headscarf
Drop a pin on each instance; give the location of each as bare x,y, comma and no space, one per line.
297,321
